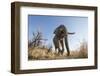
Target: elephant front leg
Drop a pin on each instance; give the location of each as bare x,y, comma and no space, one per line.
56,44
62,45
67,46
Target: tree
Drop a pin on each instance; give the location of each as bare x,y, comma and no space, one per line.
36,40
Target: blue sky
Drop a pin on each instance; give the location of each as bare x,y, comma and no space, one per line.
47,25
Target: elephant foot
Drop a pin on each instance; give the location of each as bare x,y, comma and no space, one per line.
68,54
61,52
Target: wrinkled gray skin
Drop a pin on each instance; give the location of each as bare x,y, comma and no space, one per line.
61,38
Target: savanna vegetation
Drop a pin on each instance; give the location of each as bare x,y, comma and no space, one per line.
39,51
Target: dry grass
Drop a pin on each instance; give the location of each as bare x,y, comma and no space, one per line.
37,53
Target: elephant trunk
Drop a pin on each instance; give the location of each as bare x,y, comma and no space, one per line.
71,33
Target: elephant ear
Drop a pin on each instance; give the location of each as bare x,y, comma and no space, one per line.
55,31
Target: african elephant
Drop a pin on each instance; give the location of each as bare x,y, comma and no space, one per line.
61,37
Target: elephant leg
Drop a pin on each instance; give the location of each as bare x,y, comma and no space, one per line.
59,50
62,45
67,46
56,44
